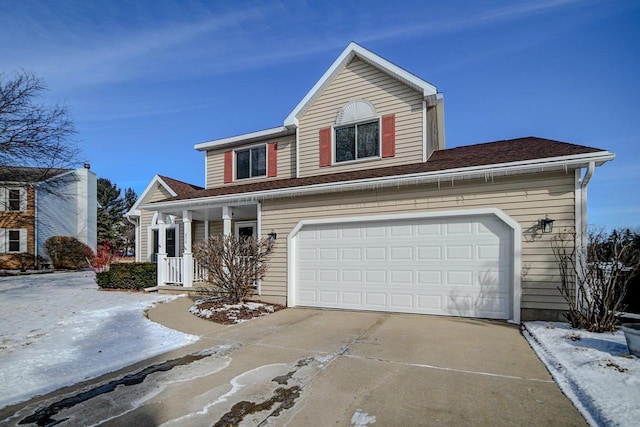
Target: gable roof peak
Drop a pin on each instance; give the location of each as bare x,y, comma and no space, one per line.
355,50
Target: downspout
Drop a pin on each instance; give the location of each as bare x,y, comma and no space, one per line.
297,151
581,234
425,138
35,223
583,201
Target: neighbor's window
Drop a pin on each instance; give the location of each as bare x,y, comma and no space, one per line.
357,141
251,162
14,241
14,200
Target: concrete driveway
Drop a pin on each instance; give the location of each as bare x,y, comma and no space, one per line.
305,367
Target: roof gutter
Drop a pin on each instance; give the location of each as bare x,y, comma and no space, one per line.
487,172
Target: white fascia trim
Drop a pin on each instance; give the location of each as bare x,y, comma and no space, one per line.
510,222
487,172
345,57
135,209
261,134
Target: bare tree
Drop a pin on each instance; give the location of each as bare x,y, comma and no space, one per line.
595,286
32,134
233,265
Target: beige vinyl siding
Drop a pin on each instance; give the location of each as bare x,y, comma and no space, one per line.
525,198
359,80
197,232
286,162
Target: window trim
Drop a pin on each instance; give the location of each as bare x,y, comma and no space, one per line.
5,200
356,124
19,241
249,148
5,241
9,200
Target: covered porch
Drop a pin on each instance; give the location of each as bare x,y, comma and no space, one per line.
174,232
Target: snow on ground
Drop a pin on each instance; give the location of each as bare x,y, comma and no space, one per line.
59,329
594,370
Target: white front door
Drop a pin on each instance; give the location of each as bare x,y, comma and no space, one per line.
458,266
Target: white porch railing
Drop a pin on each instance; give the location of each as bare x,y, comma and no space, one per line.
173,271
199,272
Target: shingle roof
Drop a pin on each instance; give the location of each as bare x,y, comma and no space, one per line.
181,188
28,174
485,154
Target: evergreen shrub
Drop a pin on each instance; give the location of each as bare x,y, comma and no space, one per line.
132,276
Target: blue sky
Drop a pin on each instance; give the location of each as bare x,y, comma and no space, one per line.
146,80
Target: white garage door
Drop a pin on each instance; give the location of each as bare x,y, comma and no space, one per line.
453,266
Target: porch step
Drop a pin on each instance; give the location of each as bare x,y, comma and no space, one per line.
152,289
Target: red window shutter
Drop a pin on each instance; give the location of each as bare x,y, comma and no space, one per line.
325,147
228,167
389,135
272,159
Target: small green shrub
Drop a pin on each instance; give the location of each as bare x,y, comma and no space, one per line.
68,253
136,275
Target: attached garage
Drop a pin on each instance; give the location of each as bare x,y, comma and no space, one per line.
460,263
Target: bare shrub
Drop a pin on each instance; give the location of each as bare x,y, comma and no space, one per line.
595,286
68,253
233,265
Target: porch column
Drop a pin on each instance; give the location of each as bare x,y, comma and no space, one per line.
226,220
162,249
187,255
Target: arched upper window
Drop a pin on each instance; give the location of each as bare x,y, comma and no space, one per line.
356,111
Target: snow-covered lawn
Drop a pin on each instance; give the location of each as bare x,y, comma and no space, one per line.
59,329
594,370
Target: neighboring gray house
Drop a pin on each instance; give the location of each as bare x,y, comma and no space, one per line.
38,203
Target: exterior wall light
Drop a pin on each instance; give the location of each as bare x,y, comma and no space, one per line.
272,236
546,224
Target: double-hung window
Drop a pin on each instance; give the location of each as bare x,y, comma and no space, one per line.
251,162
14,201
357,141
13,240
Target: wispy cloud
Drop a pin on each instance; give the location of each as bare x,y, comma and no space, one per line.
81,56
71,51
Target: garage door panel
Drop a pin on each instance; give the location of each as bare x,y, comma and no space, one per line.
430,277
430,303
375,254
375,276
375,232
402,300
375,299
329,276
352,298
429,253
401,277
328,297
459,228
459,266
401,253
459,278
307,297
459,252
429,229
353,277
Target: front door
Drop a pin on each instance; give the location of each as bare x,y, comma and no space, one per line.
246,229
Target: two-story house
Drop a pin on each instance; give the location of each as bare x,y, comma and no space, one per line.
36,204
370,210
